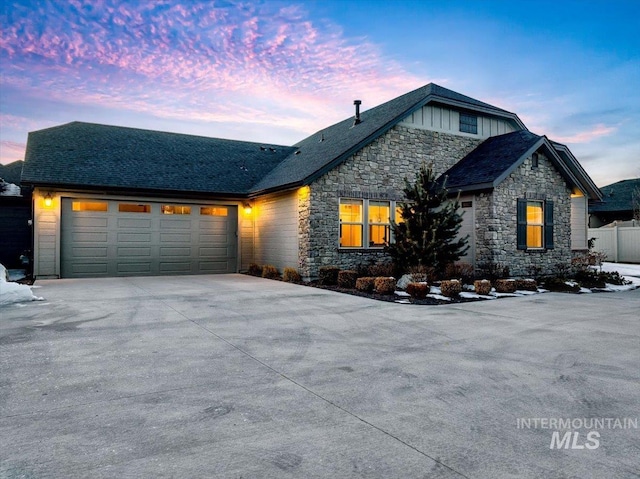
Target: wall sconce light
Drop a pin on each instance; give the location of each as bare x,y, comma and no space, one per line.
247,208
48,201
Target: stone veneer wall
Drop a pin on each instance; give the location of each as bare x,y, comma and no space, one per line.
376,171
496,219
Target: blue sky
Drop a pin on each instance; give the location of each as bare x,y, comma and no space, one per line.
276,71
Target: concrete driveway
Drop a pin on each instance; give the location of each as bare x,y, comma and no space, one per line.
238,377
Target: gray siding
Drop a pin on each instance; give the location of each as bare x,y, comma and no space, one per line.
447,120
276,230
578,222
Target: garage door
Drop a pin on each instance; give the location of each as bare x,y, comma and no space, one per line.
123,238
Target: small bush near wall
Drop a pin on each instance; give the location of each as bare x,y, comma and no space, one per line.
494,271
347,278
255,269
384,285
291,275
482,286
270,272
461,271
526,285
422,273
451,288
505,285
418,290
365,284
382,269
328,275
560,285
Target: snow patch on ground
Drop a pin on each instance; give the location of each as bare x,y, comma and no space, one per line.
11,293
472,295
625,269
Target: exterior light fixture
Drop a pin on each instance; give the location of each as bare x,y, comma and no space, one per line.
48,201
247,208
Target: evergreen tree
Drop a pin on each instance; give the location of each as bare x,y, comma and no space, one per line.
431,222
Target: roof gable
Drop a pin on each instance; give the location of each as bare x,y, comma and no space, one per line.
327,148
617,196
497,157
92,155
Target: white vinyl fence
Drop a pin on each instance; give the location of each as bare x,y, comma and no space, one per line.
620,243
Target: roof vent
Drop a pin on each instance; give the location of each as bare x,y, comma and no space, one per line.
357,119
321,137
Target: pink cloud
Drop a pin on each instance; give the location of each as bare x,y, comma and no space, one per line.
586,136
11,151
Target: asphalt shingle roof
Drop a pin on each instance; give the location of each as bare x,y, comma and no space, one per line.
616,197
489,161
326,148
87,154
11,172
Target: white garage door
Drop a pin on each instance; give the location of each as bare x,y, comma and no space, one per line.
124,238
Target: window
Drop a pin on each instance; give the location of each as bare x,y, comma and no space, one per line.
468,123
535,224
534,160
89,206
351,224
133,208
379,223
213,211
176,210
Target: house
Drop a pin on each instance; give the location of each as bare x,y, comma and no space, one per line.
119,201
618,203
15,216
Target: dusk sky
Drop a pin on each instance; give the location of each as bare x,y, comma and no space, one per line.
277,71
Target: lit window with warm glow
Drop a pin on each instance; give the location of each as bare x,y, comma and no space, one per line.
133,208
379,224
535,224
176,210
213,211
351,224
89,206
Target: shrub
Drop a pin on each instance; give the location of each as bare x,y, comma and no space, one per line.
422,273
461,271
560,285
505,286
347,279
270,272
381,269
482,286
526,285
451,288
494,271
418,290
594,279
291,275
384,285
328,275
255,269
365,284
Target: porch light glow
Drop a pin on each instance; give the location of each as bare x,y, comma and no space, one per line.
47,200
247,208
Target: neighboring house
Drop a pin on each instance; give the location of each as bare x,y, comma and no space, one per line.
617,203
116,201
15,213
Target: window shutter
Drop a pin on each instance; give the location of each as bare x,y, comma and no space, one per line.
548,224
522,224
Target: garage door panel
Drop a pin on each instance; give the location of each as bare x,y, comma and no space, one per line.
171,267
127,251
121,243
169,251
176,224
90,252
89,222
134,237
134,223
133,268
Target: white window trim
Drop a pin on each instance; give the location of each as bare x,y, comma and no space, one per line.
365,222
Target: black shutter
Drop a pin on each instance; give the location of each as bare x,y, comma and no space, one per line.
548,224
522,224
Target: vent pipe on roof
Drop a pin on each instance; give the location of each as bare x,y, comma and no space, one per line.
357,120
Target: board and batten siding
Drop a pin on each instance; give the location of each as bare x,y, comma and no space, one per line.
275,237
437,118
46,236
579,222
